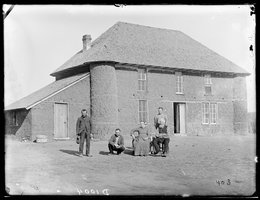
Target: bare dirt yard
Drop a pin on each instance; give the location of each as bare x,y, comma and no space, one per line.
220,165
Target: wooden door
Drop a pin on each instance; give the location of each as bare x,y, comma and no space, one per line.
182,117
176,117
60,120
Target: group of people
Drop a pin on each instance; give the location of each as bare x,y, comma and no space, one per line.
143,142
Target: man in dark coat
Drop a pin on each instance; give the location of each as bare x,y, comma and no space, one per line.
83,131
116,143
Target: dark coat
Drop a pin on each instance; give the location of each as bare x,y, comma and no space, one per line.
112,140
83,125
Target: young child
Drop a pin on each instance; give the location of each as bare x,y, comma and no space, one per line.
162,130
151,143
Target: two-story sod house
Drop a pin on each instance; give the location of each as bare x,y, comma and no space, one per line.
125,75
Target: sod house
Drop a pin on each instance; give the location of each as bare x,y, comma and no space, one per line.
124,75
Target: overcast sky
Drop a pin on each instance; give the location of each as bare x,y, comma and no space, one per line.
39,39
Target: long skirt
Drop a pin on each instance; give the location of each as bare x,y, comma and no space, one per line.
141,147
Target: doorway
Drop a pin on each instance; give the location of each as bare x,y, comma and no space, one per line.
60,120
179,117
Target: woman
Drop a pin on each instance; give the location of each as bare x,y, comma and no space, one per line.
141,142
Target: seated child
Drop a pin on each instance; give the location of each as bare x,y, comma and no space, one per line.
162,138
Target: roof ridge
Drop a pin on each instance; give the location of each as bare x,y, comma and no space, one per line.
141,44
164,29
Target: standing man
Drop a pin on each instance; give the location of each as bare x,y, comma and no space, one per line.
160,118
83,130
116,143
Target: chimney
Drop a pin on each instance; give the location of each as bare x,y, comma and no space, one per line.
86,42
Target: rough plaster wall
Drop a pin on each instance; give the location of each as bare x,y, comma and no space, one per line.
162,92
42,120
104,100
23,128
223,126
127,101
240,106
222,90
77,97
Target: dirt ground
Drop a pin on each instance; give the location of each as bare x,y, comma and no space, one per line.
195,166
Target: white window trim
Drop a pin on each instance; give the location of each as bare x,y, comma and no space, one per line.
145,79
207,79
147,113
210,113
216,113
203,121
179,90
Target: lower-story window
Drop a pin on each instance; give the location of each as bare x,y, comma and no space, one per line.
209,113
142,111
205,113
213,113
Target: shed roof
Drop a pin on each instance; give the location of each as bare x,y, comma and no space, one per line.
46,92
143,45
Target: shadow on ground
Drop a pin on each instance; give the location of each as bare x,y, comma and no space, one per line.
105,153
71,152
127,151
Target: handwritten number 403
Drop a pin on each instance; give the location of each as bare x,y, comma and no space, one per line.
228,182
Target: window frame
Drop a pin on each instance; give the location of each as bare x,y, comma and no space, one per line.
207,84
215,113
204,113
206,93
142,78
207,79
210,113
13,121
179,83
139,111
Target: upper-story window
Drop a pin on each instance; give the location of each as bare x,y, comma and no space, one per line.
207,83
179,83
207,79
142,80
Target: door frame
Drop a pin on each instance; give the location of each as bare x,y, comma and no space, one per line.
185,118
66,103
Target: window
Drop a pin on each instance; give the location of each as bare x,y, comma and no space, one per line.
209,113
213,113
179,83
142,111
13,121
207,79
205,113
207,89
208,83
142,80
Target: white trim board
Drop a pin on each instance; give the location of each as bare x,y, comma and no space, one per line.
71,84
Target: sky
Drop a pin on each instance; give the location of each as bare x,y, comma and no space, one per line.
40,38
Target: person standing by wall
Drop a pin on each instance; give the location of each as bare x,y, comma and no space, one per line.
160,118
83,131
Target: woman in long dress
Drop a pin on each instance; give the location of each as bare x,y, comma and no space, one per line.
141,142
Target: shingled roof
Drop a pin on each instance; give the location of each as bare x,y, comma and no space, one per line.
46,92
143,45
